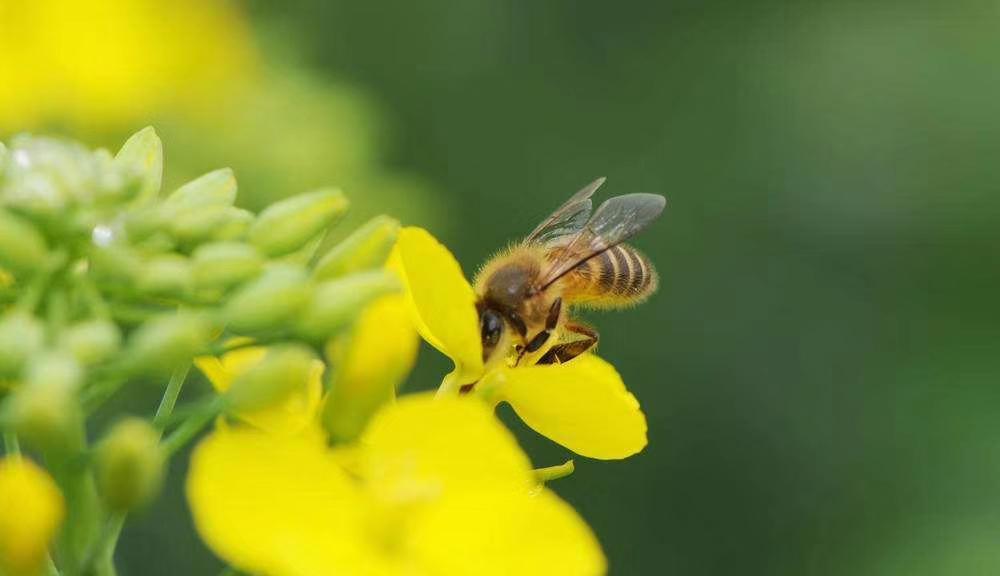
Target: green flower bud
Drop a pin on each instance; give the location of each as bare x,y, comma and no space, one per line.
225,264
268,302
129,465
286,226
235,226
197,225
272,380
168,341
22,247
367,247
167,275
115,263
143,223
336,303
55,367
217,188
91,341
44,410
142,157
21,336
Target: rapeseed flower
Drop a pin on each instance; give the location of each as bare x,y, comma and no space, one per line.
433,486
289,415
31,511
581,404
110,63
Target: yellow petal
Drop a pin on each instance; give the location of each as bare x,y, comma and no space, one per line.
441,300
383,345
582,404
221,371
500,533
31,510
277,506
290,416
421,447
370,363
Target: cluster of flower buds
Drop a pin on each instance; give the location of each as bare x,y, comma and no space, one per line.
105,282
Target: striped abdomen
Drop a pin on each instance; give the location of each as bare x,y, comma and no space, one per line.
619,276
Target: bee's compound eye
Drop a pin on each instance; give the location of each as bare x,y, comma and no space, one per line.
492,326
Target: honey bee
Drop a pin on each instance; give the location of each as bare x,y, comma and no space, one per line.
573,258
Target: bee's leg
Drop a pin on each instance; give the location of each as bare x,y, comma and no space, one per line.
567,351
539,340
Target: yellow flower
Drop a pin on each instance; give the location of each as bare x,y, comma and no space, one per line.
369,363
31,511
581,404
113,63
291,415
434,487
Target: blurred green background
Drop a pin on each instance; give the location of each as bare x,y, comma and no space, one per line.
820,367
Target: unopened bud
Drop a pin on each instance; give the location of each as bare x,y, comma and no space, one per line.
44,410
268,302
225,264
129,465
274,378
21,336
166,342
200,224
213,189
336,303
287,225
167,275
235,227
22,246
115,263
91,341
144,222
370,362
367,247
142,157
33,510
56,368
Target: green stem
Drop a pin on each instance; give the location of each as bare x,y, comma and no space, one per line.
50,566
169,400
100,557
191,427
82,526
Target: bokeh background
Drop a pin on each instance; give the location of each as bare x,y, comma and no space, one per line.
820,368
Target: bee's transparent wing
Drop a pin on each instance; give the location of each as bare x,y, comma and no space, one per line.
568,219
614,221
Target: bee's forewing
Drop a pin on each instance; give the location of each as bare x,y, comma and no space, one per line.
568,219
614,221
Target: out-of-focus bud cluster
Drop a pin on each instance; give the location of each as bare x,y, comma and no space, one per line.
106,281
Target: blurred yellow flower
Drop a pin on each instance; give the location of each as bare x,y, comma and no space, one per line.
113,63
582,404
291,415
31,511
434,487
369,363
